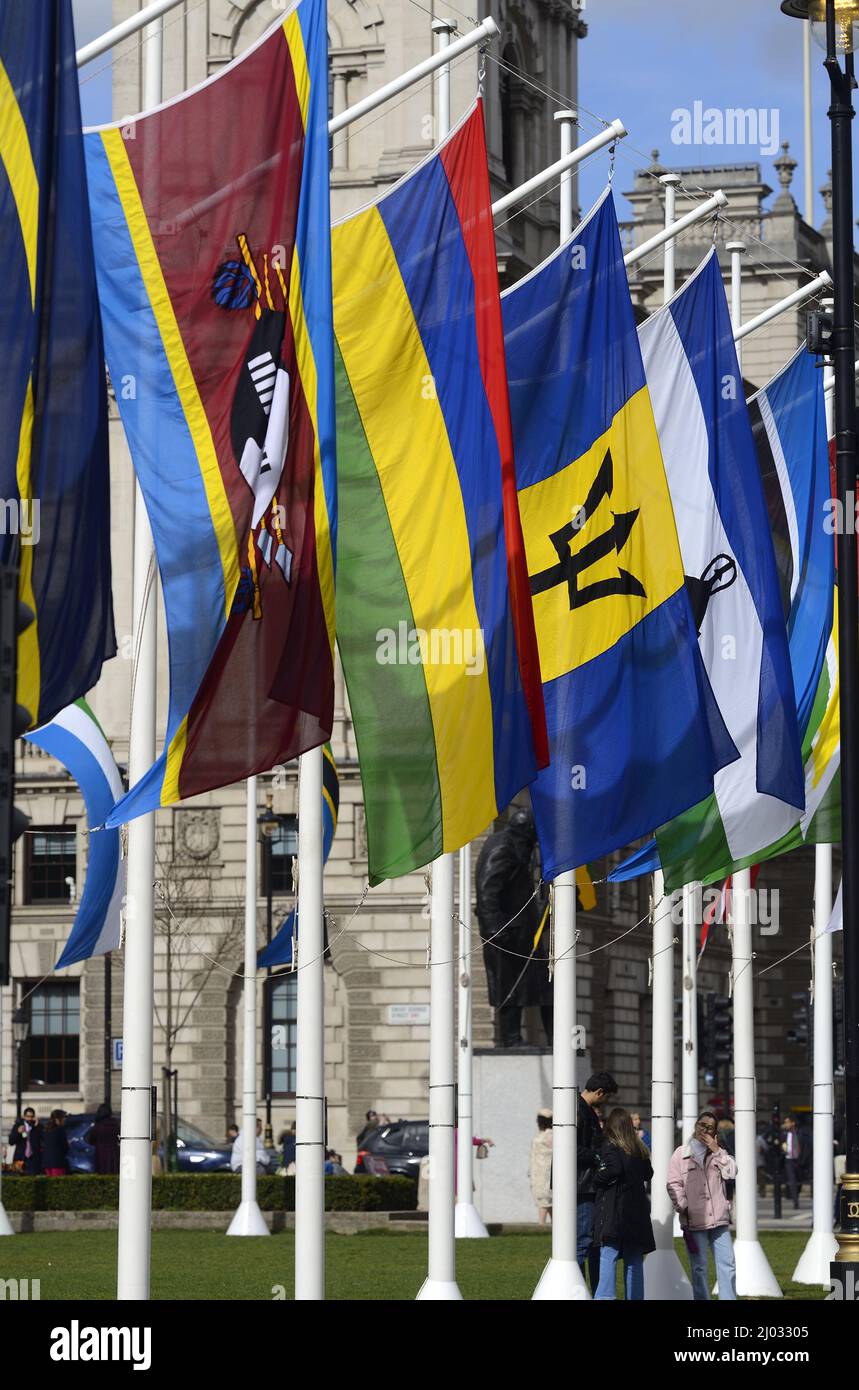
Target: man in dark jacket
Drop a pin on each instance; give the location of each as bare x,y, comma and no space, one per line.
26,1135
600,1087
515,951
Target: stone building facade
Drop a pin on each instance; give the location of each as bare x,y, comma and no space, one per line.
378,938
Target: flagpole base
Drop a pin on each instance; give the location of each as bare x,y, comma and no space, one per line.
665,1278
561,1282
248,1221
439,1291
755,1278
467,1222
6,1227
814,1262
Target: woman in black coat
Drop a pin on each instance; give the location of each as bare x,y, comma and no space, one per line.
104,1135
622,1226
55,1146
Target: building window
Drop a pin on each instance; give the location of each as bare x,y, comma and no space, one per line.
50,1054
284,1023
51,861
284,847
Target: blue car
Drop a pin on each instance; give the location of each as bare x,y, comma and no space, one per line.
195,1151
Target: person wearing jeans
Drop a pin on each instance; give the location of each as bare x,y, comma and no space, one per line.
719,1241
697,1178
622,1227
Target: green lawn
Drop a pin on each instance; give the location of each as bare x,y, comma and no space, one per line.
372,1265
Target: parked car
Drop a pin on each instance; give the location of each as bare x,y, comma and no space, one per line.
395,1148
195,1151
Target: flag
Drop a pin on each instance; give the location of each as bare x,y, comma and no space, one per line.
75,738
279,949
789,427
54,474
632,728
212,239
434,617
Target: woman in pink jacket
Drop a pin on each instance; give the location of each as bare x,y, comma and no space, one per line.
697,1175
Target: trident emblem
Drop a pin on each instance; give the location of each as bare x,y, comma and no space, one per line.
572,564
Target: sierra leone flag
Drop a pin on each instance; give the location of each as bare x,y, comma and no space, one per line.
75,738
789,430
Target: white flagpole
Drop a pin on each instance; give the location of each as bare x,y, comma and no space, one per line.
689,985
248,1219
467,1221
5,1224
562,1279
755,1278
310,1042
663,1273
135,1160
754,1275
813,1266
821,1247
664,1277
440,1284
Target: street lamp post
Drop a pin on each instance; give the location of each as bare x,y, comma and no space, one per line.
268,824
20,1034
833,23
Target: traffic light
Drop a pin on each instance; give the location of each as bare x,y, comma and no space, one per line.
15,618
678,1021
718,1031
723,1029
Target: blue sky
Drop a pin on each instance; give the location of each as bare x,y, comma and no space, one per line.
94,17
641,60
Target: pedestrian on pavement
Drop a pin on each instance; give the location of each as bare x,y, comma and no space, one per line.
26,1134
697,1178
540,1167
104,1135
55,1146
641,1133
622,1226
600,1087
263,1157
792,1149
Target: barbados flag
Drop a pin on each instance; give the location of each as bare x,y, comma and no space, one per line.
435,624
54,480
633,727
212,236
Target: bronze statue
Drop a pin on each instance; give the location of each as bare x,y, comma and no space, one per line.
509,912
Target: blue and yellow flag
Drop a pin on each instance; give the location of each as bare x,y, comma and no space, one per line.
633,728
54,479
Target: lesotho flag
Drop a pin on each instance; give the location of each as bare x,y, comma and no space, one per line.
749,487
633,728
75,738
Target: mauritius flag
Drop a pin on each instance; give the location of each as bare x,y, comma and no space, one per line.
212,243
435,623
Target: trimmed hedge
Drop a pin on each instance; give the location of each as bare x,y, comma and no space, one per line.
204,1192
